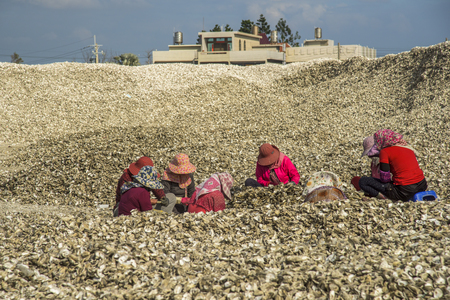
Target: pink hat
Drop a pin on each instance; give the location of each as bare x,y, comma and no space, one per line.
141,162
268,154
368,143
180,165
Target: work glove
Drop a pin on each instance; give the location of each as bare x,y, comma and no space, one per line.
164,201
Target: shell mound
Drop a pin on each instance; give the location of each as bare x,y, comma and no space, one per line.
68,131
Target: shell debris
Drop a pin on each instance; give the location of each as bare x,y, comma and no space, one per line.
68,130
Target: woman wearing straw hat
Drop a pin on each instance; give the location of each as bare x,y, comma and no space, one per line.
136,194
273,167
178,178
127,176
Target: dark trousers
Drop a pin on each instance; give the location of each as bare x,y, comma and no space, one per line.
372,186
253,183
405,192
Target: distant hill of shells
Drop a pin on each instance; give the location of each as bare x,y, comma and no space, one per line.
68,130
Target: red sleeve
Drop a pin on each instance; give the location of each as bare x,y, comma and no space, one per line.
158,193
384,158
259,174
292,170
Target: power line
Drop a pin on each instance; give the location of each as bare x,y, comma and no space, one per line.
59,46
58,56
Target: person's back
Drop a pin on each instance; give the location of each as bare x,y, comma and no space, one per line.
135,198
403,165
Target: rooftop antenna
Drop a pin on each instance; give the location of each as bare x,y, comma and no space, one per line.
203,24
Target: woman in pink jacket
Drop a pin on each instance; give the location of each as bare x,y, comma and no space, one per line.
273,167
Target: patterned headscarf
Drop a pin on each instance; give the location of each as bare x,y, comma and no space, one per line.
386,138
221,182
147,177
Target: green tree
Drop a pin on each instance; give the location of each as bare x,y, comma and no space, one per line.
216,28
263,25
15,58
198,39
246,26
127,59
285,34
228,28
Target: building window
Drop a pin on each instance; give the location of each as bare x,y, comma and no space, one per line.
240,45
245,45
219,44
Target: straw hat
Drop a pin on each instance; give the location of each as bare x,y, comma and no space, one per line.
268,154
148,177
141,162
368,143
180,164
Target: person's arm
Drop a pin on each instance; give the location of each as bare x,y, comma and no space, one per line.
191,187
158,194
166,185
385,174
292,170
259,175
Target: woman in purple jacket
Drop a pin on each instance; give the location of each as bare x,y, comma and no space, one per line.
273,167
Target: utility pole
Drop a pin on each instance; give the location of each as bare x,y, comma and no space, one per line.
96,50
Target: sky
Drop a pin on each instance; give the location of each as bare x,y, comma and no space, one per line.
48,31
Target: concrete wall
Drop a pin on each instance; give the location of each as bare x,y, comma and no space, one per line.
301,54
174,56
240,57
184,47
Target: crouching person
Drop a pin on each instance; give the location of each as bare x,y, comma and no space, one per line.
136,194
210,195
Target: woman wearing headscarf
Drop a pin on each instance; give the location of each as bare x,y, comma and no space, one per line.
136,194
323,186
398,159
210,195
273,167
178,179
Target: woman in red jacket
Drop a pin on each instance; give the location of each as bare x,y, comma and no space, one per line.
273,167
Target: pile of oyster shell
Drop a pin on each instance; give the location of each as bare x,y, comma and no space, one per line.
68,130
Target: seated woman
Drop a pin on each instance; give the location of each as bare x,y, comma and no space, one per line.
323,186
136,194
398,158
273,167
178,179
127,176
210,195
371,150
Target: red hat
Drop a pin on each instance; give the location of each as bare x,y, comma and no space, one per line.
141,162
268,154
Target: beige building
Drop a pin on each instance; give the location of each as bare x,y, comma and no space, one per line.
234,47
